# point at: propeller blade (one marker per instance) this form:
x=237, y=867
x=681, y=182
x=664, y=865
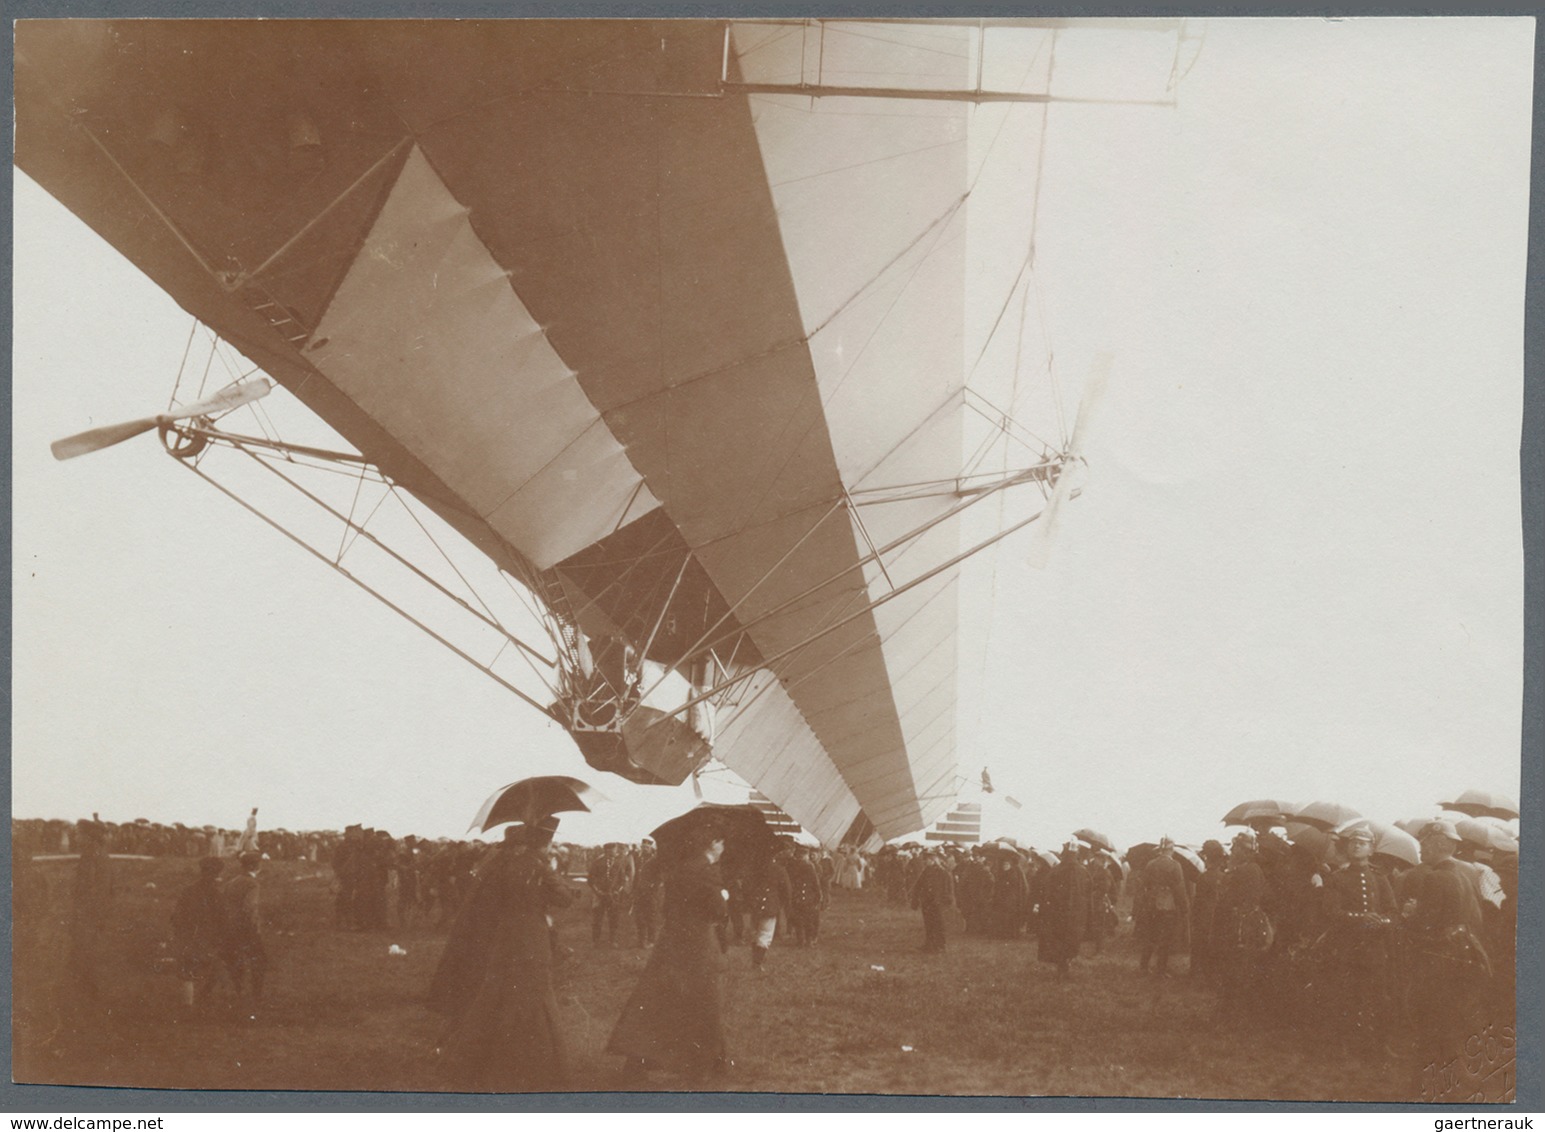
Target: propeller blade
x=1051, y=519
x=231, y=397
x=1051, y=522
x=92, y=440
x=1089, y=405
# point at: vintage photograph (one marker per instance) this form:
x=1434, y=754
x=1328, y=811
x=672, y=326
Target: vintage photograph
x=965, y=557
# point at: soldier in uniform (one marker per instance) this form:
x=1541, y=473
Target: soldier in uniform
x=1244, y=931
x=608, y=881
x=805, y=897
x=768, y=894
x=1359, y=908
x=648, y=892
x=1169, y=908
x=1450, y=966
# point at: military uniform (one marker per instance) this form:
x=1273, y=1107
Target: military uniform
x=1359, y=905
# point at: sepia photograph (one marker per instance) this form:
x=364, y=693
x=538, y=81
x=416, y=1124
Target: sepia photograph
x=966, y=557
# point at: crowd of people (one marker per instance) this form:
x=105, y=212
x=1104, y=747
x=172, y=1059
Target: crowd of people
x=1290, y=930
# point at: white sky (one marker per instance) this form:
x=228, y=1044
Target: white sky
x=1296, y=571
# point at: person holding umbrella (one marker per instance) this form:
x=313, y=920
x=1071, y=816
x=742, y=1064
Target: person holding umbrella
x=494, y=982
x=674, y=1019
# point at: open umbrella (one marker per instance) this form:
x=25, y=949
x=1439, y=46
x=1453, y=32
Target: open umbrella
x=1140, y=854
x=1325, y=816
x=1098, y=840
x=1189, y=857
x=1414, y=826
x=1483, y=804
x=532, y=799
x=1484, y=835
x=744, y=830
x=1262, y=810
x=1393, y=844
x=1114, y=863
x=1312, y=837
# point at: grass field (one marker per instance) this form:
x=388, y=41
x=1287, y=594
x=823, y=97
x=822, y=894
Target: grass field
x=863, y=1012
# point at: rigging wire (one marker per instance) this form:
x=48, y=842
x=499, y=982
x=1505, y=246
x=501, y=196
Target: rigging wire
x=182, y=366
x=402, y=498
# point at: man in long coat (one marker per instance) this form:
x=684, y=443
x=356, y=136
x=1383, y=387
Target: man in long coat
x=1204, y=911
x=1064, y=910
x=494, y=983
x=1244, y=930
x=1169, y=908
x=1010, y=897
x=1450, y=965
x=933, y=895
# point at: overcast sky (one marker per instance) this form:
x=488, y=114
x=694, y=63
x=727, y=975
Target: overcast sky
x=1296, y=570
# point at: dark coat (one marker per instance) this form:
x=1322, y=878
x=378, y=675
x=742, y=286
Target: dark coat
x=1358, y=890
x=674, y=1019
x=1064, y=912
x=1168, y=902
x=495, y=979
x=1010, y=900
x=768, y=891
x=804, y=884
x=199, y=928
x=935, y=887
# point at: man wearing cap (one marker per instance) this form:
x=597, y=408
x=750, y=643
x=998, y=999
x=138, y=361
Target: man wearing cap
x=1244, y=932
x=1169, y=908
x=933, y=895
x=1359, y=905
x=608, y=882
x=1204, y=911
x=1442, y=911
x=768, y=895
x=805, y=896
x=248, y=957
x=494, y=982
x=648, y=895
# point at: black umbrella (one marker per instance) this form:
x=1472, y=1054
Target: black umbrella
x=744, y=830
x=532, y=799
x=1261, y=812
x=1139, y=855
